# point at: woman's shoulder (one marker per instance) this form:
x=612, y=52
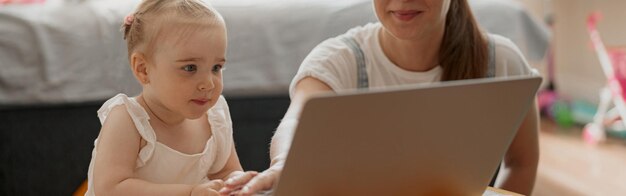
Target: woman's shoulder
x=509, y=58
x=505, y=46
x=333, y=60
x=364, y=31
x=331, y=53
x=361, y=34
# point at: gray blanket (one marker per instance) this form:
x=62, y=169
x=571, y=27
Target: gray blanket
x=66, y=53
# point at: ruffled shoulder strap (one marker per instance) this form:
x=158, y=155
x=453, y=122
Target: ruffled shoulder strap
x=220, y=113
x=140, y=119
x=219, y=149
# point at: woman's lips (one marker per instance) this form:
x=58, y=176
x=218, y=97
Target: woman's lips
x=405, y=15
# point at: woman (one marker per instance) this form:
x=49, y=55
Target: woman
x=416, y=41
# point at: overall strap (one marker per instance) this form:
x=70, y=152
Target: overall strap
x=362, y=78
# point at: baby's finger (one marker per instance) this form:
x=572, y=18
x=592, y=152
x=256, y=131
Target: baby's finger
x=212, y=192
x=215, y=184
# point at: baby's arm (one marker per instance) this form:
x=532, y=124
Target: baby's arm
x=232, y=167
x=118, y=147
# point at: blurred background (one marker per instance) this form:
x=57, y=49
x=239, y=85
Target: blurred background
x=61, y=59
x=581, y=155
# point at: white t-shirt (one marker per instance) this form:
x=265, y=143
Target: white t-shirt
x=333, y=62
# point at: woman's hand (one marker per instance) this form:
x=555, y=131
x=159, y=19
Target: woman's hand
x=251, y=182
x=208, y=189
x=236, y=181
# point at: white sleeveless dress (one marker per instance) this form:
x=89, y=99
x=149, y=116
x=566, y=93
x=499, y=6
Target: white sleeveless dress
x=158, y=163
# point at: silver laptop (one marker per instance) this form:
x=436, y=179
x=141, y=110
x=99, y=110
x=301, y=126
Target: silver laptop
x=442, y=139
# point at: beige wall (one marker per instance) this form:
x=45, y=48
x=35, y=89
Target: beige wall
x=579, y=75
x=537, y=8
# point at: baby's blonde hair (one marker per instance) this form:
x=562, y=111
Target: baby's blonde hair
x=147, y=21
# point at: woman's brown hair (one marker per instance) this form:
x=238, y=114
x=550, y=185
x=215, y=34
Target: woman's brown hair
x=464, y=52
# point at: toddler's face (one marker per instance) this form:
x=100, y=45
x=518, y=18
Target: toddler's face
x=187, y=72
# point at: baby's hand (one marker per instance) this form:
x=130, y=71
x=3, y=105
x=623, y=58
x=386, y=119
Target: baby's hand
x=208, y=189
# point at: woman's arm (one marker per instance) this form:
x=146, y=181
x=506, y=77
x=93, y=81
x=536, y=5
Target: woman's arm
x=281, y=141
x=522, y=157
x=118, y=147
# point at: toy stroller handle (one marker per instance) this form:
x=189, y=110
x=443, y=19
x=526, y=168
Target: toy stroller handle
x=598, y=46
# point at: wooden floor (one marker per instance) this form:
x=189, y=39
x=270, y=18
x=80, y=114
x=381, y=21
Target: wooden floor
x=569, y=166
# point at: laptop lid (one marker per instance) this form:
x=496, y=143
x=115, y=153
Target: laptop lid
x=445, y=138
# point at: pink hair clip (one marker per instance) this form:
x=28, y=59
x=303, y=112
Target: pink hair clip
x=129, y=19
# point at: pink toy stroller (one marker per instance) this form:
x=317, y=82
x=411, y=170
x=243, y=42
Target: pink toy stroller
x=613, y=64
